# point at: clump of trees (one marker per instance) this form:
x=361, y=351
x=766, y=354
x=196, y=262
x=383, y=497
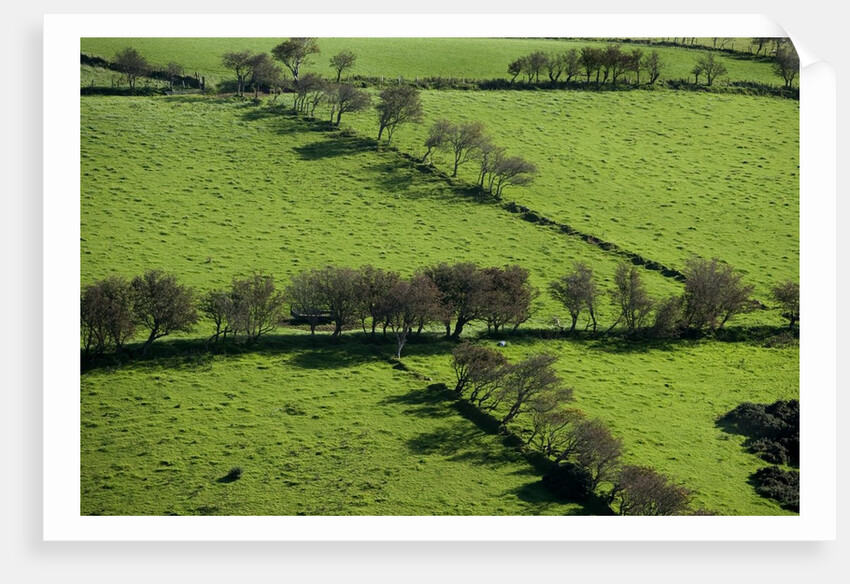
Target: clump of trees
x=469, y=141
x=584, y=452
x=398, y=105
x=608, y=63
x=112, y=309
x=130, y=62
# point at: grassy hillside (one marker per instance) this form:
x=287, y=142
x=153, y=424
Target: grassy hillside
x=408, y=57
x=212, y=188
x=663, y=174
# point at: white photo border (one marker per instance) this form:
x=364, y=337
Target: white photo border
x=61, y=416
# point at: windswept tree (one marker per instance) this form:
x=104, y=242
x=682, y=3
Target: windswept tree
x=342, y=61
x=437, y=135
x=613, y=63
x=787, y=295
x=132, y=64
x=640, y=490
x=264, y=73
x=786, y=64
x=529, y=380
x=463, y=141
x=578, y=292
x=217, y=306
x=240, y=63
x=591, y=61
x=377, y=302
x=653, y=65
x=516, y=67
x=554, y=66
x=345, y=98
x=594, y=448
x=572, y=64
x=257, y=306
x=479, y=372
x=463, y=287
x=342, y=291
x=306, y=298
x=713, y=293
x=162, y=305
x=708, y=66
x=398, y=105
x=295, y=53
x=507, y=299
x=534, y=63
x=550, y=424
x=490, y=155
x=310, y=89
x=411, y=302
x=630, y=296
x=106, y=315
x=510, y=170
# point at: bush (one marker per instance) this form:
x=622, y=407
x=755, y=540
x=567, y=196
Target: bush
x=234, y=474
x=774, y=429
x=569, y=481
x=780, y=485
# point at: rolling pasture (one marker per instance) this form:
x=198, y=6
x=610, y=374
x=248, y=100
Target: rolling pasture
x=211, y=188
x=459, y=58
x=663, y=174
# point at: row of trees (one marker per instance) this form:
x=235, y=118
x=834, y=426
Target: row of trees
x=713, y=294
x=452, y=295
x=609, y=62
x=470, y=142
x=584, y=452
x=112, y=309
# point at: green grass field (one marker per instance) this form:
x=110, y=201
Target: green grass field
x=211, y=188
x=664, y=174
x=461, y=58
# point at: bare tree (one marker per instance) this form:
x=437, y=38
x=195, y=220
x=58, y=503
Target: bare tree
x=257, y=306
x=347, y=98
x=713, y=293
x=295, y=53
x=106, y=315
x=399, y=105
x=310, y=89
x=640, y=490
x=529, y=380
x=631, y=296
x=787, y=295
x=342, y=292
x=437, y=135
x=132, y=64
x=510, y=170
x=480, y=370
x=412, y=301
x=464, y=142
x=507, y=299
x=377, y=287
x=550, y=426
x=594, y=448
x=463, y=288
x=162, y=305
x=217, y=305
x=709, y=67
x=342, y=61
x=578, y=292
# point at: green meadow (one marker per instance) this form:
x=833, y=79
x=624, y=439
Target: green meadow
x=460, y=58
x=211, y=188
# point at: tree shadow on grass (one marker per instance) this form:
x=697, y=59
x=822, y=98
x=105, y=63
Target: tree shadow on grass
x=333, y=147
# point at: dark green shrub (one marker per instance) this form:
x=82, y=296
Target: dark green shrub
x=569, y=481
x=781, y=485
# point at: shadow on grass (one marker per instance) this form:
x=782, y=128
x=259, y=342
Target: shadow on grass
x=336, y=146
